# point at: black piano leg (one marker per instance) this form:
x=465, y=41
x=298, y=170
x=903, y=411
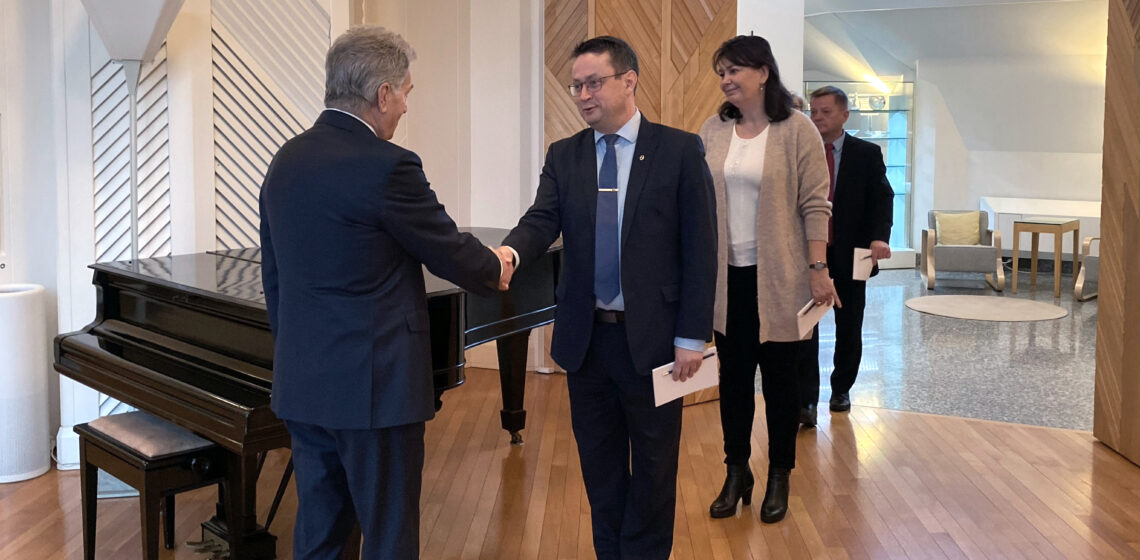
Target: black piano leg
x=236, y=522
x=512, y=376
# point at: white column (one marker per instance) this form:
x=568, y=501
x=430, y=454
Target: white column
x=505, y=94
x=189, y=74
x=340, y=17
x=78, y=403
x=781, y=22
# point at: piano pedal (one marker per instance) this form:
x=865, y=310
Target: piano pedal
x=258, y=545
x=211, y=545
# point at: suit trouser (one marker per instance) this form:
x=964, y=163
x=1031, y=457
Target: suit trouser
x=628, y=450
x=345, y=477
x=740, y=353
x=848, y=343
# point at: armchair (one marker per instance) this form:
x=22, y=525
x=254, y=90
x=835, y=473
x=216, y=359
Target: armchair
x=1090, y=271
x=983, y=256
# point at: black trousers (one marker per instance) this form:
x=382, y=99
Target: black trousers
x=628, y=450
x=345, y=477
x=848, y=343
x=740, y=353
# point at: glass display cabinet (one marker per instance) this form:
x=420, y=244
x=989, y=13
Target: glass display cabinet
x=880, y=113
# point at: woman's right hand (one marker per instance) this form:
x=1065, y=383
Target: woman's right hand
x=823, y=289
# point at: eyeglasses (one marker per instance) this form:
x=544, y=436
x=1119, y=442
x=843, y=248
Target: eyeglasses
x=592, y=85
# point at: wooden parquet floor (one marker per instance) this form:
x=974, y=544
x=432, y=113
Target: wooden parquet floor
x=872, y=483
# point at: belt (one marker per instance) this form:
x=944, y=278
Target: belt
x=608, y=316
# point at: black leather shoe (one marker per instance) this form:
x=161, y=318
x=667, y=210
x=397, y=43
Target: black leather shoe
x=775, y=496
x=840, y=402
x=808, y=415
x=737, y=486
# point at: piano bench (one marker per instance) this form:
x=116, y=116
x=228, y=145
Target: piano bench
x=154, y=457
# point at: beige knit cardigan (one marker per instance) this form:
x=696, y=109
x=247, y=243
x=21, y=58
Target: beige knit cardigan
x=792, y=209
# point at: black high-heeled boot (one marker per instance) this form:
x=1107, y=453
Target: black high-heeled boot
x=737, y=486
x=775, y=504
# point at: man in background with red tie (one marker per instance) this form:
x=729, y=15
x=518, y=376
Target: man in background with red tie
x=861, y=216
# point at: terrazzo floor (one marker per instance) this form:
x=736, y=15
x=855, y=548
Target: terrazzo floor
x=1038, y=373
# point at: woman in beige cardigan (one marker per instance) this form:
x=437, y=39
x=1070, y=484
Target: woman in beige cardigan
x=771, y=181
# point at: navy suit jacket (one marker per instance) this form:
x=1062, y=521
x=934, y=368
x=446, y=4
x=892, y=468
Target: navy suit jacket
x=346, y=221
x=863, y=209
x=668, y=237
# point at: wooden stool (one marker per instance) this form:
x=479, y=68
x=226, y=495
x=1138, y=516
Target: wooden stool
x=154, y=457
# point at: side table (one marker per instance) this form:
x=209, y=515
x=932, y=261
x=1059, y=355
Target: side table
x=1035, y=226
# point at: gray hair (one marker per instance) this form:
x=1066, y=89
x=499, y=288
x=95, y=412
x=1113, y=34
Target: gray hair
x=359, y=62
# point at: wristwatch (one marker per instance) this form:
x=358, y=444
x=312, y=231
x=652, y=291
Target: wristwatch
x=818, y=265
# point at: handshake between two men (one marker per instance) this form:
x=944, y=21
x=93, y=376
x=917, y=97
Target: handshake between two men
x=507, y=259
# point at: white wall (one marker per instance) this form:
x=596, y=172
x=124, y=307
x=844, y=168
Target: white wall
x=1059, y=175
x=940, y=158
x=32, y=173
x=475, y=114
x=505, y=96
x=1013, y=127
x=782, y=24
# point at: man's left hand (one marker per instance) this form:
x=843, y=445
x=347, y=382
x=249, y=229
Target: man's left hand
x=879, y=251
x=686, y=363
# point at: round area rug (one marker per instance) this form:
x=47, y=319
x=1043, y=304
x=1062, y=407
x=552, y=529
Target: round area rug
x=986, y=308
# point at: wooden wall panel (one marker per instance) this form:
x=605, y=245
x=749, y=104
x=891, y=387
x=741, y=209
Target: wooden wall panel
x=696, y=90
x=639, y=23
x=674, y=40
x=1116, y=414
x=567, y=24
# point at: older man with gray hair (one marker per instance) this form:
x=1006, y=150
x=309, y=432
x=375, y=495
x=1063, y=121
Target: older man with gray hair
x=347, y=221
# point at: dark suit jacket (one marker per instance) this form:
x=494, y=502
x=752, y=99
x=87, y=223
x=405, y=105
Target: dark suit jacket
x=864, y=204
x=668, y=237
x=346, y=221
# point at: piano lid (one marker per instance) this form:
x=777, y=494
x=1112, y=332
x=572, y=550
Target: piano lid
x=234, y=275
x=207, y=275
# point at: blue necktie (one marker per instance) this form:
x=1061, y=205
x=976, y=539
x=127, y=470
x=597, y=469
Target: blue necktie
x=607, y=231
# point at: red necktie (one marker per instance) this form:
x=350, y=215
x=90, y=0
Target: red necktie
x=830, y=149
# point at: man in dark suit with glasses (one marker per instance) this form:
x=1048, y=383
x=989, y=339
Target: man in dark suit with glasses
x=633, y=202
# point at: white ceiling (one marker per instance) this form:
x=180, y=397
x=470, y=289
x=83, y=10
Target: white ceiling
x=845, y=39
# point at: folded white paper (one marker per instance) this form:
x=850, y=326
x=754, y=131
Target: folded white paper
x=861, y=268
x=666, y=390
x=809, y=316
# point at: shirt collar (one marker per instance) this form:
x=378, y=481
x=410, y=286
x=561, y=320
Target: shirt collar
x=353, y=116
x=837, y=146
x=628, y=131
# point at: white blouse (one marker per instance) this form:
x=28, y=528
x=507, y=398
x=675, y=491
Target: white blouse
x=742, y=171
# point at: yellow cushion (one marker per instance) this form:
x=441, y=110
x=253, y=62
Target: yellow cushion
x=959, y=228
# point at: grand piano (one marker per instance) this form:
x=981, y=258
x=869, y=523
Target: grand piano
x=187, y=338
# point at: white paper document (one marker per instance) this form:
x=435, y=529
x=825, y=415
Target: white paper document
x=809, y=316
x=666, y=390
x=861, y=268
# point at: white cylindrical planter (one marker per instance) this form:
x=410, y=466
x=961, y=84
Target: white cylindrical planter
x=24, y=439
